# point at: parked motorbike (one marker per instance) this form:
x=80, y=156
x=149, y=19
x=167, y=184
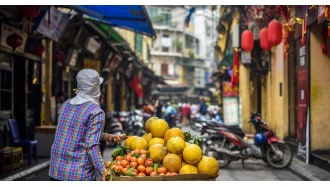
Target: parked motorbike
x=115, y=127
x=198, y=121
x=135, y=126
x=226, y=145
x=123, y=118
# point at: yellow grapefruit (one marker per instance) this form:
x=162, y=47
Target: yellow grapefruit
x=172, y=162
x=156, y=141
x=173, y=132
x=148, y=123
x=188, y=169
x=129, y=140
x=139, y=143
x=208, y=165
x=158, y=128
x=157, y=152
x=176, y=145
x=148, y=137
x=192, y=154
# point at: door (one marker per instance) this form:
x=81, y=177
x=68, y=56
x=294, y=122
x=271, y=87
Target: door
x=302, y=95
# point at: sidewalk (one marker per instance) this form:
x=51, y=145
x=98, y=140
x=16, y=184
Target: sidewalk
x=308, y=171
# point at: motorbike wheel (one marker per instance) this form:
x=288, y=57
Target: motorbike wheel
x=279, y=155
x=221, y=159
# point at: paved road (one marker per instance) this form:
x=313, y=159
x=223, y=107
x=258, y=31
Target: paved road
x=254, y=170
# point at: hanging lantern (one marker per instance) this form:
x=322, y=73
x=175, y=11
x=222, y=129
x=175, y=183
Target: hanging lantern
x=30, y=12
x=37, y=49
x=264, y=44
x=14, y=40
x=247, y=40
x=59, y=55
x=275, y=32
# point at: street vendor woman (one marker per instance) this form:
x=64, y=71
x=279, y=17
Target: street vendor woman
x=75, y=153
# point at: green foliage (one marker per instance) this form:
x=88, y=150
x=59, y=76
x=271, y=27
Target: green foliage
x=196, y=139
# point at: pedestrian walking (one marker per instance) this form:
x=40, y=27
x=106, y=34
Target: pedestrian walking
x=202, y=107
x=185, y=112
x=75, y=153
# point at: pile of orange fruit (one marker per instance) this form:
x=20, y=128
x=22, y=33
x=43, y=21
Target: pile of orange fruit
x=162, y=151
x=140, y=166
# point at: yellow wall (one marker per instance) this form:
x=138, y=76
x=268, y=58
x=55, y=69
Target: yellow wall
x=319, y=91
x=279, y=111
x=244, y=90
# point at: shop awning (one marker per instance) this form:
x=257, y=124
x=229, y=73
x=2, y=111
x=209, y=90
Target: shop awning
x=131, y=17
x=227, y=60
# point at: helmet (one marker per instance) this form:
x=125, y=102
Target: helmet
x=259, y=139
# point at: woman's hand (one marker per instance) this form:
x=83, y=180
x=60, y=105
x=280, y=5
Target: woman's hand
x=112, y=139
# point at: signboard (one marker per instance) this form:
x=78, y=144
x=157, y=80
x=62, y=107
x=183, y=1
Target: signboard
x=7, y=31
x=115, y=62
x=230, y=110
x=246, y=57
x=321, y=13
x=302, y=97
x=228, y=91
x=92, y=45
x=52, y=24
x=93, y=64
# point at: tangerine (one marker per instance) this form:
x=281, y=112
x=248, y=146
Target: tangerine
x=148, y=162
x=133, y=164
x=124, y=163
x=141, y=168
x=141, y=174
x=144, y=156
x=153, y=173
x=149, y=170
x=140, y=161
x=107, y=164
x=118, y=168
x=161, y=170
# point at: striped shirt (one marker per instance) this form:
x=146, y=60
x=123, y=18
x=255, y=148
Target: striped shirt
x=75, y=153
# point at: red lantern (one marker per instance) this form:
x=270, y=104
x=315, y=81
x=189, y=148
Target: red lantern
x=37, y=49
x=30, y=12
x=14, y=40
x=59, y=55
x=264, y=44
x=247, y=40
x=274, y=32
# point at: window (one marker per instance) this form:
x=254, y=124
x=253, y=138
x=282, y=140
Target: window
x=138, y=43
x=166, y=43
x=164, y=69
x=153, y=13
x=166, y=17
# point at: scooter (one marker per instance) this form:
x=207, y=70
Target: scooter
x=226, y=146
x=115, y=127
x=123, y=118
x=135, y=125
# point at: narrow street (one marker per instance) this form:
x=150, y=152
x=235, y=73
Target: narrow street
x=254, y=170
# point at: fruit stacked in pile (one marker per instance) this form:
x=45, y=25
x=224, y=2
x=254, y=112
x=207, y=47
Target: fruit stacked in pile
x=162, y=151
